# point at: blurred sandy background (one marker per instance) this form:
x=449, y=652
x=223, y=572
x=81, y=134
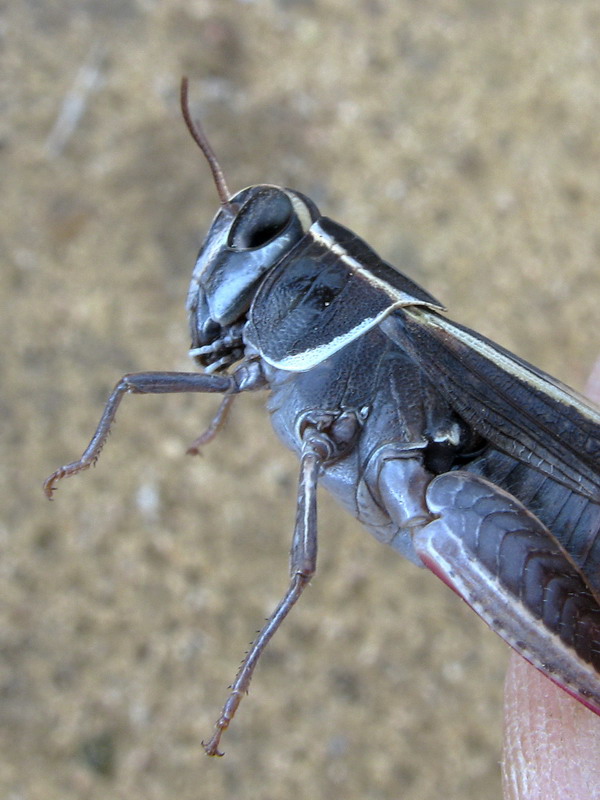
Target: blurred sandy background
x=461, y=139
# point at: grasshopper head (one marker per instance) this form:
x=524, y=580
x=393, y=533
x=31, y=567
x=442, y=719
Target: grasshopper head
x=249, y=235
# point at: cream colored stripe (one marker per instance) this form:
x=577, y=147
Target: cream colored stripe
x=562, y=394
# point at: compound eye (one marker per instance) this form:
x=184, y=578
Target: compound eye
x=261, y=220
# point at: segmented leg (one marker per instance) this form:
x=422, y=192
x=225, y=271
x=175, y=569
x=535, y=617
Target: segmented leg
x=303, y=561
x=510, y=569
x=215, y=426
x=138, y=383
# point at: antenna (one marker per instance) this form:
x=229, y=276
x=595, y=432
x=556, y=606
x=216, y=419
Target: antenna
x=199, y=137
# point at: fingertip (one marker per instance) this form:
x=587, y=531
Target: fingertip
x=592, y=387
x=552, y=742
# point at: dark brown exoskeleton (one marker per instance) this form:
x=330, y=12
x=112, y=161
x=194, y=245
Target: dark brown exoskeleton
x=451, y=450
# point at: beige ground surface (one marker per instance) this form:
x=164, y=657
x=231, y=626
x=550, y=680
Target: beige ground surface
x=461, y=138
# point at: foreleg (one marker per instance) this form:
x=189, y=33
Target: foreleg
x=140, y=383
